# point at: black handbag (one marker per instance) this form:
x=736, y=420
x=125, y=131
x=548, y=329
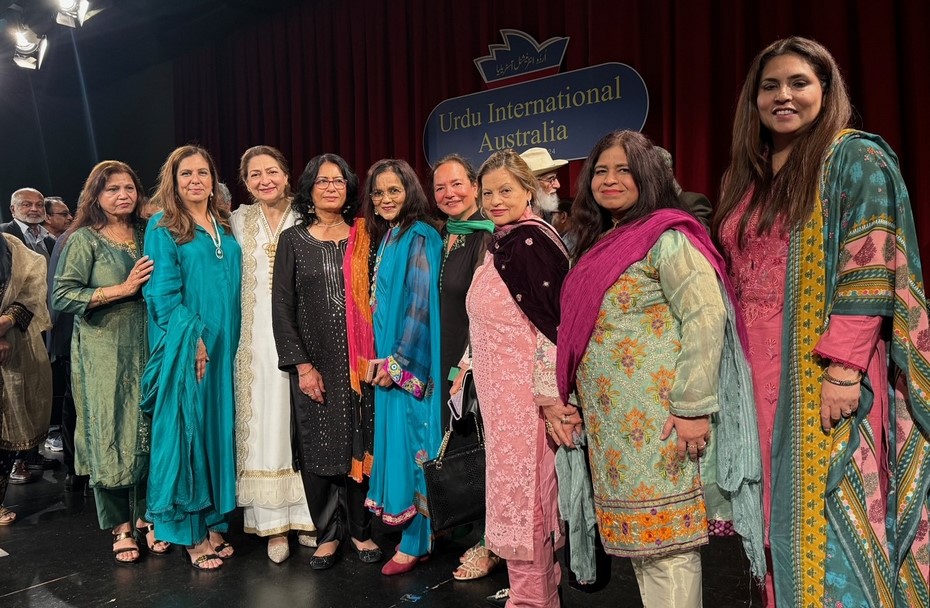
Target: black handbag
x=455, y=479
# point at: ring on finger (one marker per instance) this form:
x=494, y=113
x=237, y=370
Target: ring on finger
x=846, y=412
x=549, y=428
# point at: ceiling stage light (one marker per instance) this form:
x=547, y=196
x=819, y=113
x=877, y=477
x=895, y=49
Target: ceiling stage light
x=30, y=49
x=73, y=13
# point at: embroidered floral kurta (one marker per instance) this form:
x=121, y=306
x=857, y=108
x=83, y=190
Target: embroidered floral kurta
x=513, y=363
x=655, y=350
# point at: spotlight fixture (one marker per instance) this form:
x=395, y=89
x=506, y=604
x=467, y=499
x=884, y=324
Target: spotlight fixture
x=30, y=49
x=73, y=13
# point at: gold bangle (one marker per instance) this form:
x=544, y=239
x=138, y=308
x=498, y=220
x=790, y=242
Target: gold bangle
x=836, y=381
x=101, y=297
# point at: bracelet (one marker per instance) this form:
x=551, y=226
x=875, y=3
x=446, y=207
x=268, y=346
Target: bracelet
x=301, y=375
x=836, y=381
x=101, y=297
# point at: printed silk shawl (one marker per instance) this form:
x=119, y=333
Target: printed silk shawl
x=856, y=255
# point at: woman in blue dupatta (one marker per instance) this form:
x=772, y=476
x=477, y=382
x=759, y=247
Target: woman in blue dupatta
x=817, y=223
x=651, y=341
x=193, y=302
x=405, y=315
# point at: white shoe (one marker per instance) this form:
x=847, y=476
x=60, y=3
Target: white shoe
x=278, y=552
x=307, y=539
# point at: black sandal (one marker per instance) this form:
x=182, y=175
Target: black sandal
x=196, y=564
x=222, y=547
x=118, y=536
x=143, y=531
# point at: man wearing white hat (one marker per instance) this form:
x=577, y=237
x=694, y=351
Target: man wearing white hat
x=544, y=168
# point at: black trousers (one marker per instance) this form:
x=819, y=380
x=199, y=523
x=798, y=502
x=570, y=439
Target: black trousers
x=337, y=506
x=61, y=383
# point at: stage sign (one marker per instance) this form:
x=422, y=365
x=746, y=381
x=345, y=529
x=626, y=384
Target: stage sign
x=564, y=113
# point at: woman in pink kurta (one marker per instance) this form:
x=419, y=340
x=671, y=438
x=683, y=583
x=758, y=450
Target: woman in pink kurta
x=513, y=310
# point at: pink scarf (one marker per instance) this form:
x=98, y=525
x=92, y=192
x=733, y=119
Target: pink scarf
x=598, y=269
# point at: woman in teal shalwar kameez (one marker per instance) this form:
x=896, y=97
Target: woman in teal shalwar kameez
x=405, y=304
x=193, y=305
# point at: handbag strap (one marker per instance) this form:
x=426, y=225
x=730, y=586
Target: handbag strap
x=479, y=427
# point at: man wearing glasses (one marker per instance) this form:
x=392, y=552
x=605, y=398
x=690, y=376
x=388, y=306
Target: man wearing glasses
x=28, y=207
x=58, y=217
x=544, y=167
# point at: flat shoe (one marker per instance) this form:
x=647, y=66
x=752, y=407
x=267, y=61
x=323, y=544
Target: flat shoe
x=368, y=556
x=323, y=563
x=307, y=539
x=278, y=552
x=393, y=568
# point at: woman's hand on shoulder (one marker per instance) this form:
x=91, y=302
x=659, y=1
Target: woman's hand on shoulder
x=692, y=433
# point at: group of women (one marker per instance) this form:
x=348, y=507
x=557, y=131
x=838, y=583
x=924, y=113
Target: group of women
x=295, y=359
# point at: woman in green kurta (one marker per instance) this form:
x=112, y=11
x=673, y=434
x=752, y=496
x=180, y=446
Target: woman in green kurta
x=649, y=339
x=194, y=314
x=98, y=279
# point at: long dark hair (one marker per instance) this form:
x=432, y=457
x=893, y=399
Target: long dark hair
x=652, y=176
x=788, y=196
x=303, y=202
x=416, y=206
x=89, y=212
x=177, y=219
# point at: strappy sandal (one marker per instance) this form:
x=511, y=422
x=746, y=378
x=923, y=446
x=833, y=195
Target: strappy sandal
x=7, y=517
x=143, y=531
x=197, y=564
x=222, y=547
x=470, y=569
x=118, y=536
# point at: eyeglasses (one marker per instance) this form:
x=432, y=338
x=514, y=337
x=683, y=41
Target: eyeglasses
x=548, y=180
x=323, y=183
x=392, y=193
x=61, y=213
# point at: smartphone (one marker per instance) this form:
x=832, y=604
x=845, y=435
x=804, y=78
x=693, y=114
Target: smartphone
x=370, y=369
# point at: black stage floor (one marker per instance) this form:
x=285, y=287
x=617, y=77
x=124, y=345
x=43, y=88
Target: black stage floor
x=57, y=557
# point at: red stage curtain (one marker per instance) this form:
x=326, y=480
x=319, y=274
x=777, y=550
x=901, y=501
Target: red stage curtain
x=360, y=77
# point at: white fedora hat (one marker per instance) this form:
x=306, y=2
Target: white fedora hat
x=540, y=161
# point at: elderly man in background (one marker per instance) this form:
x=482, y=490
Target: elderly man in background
x=57, y=217
x=544, y=167
x=28, y=208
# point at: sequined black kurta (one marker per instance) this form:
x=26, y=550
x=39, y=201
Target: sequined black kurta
x=309, y=308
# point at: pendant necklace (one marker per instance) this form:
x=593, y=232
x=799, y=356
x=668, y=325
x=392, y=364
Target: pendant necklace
x=217, y=240
x=271, y=247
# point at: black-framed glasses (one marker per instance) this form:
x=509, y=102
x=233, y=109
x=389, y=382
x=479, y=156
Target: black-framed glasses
x=322, y=183
x=61, y=213
x=392, y=193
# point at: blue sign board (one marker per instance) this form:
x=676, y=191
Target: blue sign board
x=566, y=114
